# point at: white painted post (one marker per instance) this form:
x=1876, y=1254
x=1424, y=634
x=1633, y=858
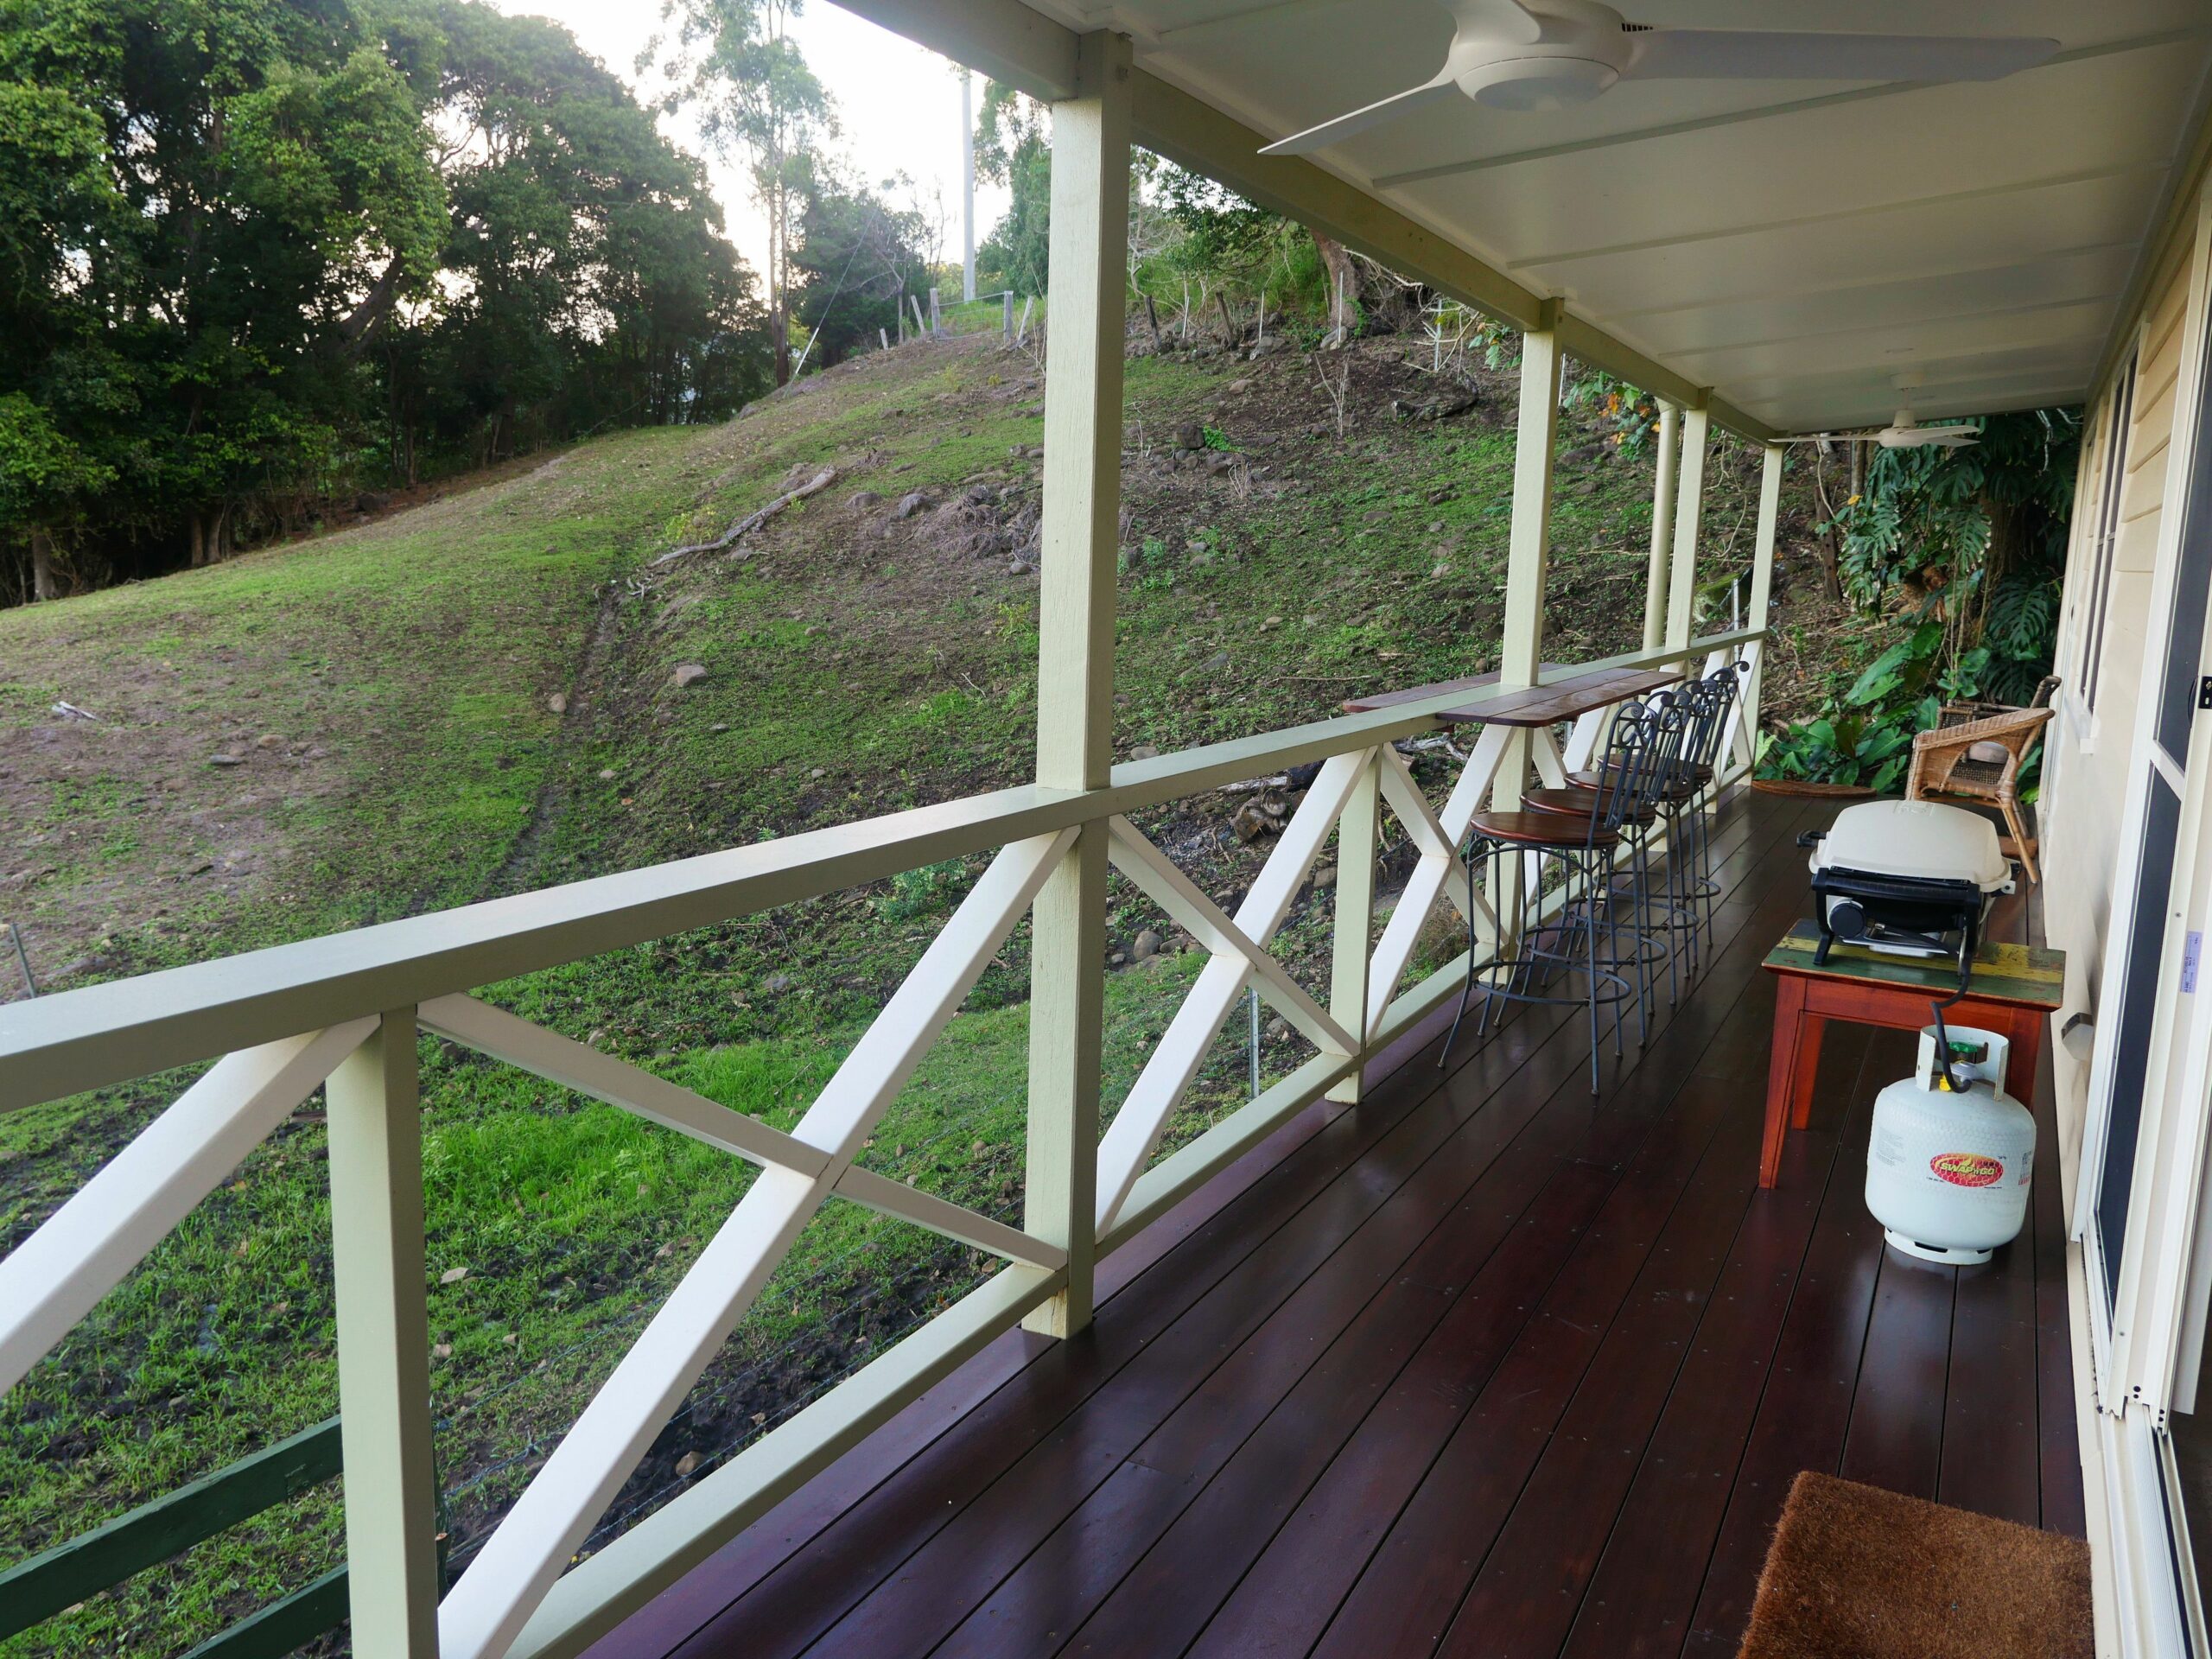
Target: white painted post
x=1662, y=525
x=967, y=186
x=1697, y=426
x=1080, y=535
x=1762, y=584
x=384, y=1359
x=1529, y=544
x=1356, y=839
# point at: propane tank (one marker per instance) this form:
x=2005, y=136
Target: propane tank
x=1949, y=1159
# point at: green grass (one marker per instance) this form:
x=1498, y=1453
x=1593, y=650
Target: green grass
x=419, y=656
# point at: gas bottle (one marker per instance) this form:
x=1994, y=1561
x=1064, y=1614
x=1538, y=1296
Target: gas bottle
x=1949, y=1163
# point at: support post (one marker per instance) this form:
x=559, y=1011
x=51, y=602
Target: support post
x=967, y=186
x=1662, y=525
x=1689, y=503
x=1755, y=614
x=384, y=1360
x=1356, y=845
x=1080, y=536
x=1528, y=557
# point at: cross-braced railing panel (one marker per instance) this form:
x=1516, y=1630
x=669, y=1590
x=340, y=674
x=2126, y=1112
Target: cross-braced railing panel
x=1152, y=1099
x=484, y=1612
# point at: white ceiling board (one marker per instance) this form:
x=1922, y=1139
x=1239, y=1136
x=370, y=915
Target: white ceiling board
x=1835, y=256
x=2115, y=110
x=1899, y=348
x=1861, y=397
x=1791, y=258
x=2099, y=274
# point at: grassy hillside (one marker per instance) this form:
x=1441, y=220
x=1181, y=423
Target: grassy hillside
x=480, y=696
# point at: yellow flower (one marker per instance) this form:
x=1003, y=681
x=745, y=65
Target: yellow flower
x=1853, y=502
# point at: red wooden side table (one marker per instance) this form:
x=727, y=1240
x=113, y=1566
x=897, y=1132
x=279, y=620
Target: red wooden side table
x=2015, y=989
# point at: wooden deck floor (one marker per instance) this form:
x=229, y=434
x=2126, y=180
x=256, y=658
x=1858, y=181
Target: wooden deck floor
x=1475, y=1367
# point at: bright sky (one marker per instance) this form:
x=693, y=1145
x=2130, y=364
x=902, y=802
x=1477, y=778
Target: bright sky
x=898, y=106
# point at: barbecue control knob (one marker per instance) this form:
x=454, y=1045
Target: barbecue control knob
x=1847, y=920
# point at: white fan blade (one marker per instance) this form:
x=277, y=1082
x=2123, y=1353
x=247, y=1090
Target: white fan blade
x=1760, y=54
x=1389, y=109
x=1921, y=437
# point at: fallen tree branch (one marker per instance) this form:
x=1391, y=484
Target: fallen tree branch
x=820, y=481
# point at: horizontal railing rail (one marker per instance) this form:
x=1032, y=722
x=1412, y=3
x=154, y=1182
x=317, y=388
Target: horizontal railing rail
x=345, y=1013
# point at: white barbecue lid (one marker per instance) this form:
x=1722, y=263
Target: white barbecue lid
x=1921, y=839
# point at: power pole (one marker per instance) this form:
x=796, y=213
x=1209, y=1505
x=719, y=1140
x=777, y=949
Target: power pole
x=967, y=186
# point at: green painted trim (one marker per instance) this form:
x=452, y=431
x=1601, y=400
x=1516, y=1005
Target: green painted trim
x=281, y=1626
x=2002, y=973
x=34, y=1591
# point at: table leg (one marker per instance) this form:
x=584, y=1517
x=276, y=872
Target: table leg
x=1781, y=1076
x=2024, y=1029
x=1805, y=1069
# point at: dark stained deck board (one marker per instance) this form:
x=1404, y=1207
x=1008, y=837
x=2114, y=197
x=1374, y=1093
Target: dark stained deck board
x=1479, y=1364
x=1644, y=1591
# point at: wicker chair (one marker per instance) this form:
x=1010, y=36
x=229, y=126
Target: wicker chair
x=1975, y=756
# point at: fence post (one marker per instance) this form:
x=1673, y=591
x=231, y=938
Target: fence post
x=1006, y=314
x=937, y=315
x=1356, y=839
x=1689, y=504
x=1080, y=536
x=1662, y=525
x=384, y=1361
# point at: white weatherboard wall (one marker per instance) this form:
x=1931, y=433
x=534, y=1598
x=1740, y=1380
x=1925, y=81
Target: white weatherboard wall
x=2087, y=761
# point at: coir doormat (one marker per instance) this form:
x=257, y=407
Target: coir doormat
x=1857, y=1573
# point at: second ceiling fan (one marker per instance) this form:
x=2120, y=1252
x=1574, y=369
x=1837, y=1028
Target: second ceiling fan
x=1551, y=55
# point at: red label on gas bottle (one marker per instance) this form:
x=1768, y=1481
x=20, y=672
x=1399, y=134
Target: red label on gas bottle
x=1966, y=1168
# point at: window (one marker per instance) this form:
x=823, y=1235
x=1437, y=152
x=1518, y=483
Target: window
x=2112, y=467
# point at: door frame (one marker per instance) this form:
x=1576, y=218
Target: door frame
x=2139, y=1329
x=2136, y=1329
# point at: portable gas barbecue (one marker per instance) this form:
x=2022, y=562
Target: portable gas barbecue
x=1913, y=878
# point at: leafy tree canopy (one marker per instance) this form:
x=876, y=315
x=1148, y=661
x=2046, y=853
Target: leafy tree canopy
x=259, y=252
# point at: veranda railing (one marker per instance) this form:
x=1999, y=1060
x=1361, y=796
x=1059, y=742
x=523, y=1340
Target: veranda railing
x=343, y=1013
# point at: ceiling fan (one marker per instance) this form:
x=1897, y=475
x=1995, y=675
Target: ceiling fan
x=1905, y=433
x=1553, y=54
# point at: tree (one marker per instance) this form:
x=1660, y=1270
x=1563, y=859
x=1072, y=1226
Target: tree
x=258, y=250
x=1013, y=147
x=1965, y=549
x=736, y=61
x=586, y=278
x=857, y=260
x=184, y=330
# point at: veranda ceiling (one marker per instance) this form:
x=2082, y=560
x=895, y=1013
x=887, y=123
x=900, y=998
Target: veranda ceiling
x=1795, y=246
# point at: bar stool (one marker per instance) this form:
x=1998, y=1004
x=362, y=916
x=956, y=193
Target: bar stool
x=1658, y=919
x=1580, y=846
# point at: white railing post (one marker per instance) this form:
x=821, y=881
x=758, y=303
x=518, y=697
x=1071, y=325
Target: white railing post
x=1755, y=616
x=1689, y=504
x=1356, y=839
x=384, y=1360
x=1662, y=525
x=1080, y=538
x=1529, y=547
x=1527, y=564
